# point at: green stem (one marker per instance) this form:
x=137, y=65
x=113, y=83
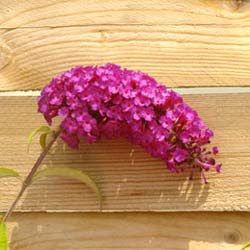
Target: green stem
x=246, y=246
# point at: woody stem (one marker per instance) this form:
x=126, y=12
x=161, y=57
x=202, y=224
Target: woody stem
x=29, y=177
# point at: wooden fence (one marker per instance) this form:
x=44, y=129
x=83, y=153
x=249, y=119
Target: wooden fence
x=200, y=48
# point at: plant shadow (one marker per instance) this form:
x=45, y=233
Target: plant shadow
x=130, y=181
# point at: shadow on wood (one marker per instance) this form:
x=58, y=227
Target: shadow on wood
x=129, y=178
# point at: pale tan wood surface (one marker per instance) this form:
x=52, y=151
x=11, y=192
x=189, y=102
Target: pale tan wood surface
x=130, y=179
x=130, y=231
x=54, y=13
x=180, y=43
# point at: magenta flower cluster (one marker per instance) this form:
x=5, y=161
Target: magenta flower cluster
x=108, y=101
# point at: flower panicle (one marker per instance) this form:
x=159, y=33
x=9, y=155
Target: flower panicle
x=109, y=101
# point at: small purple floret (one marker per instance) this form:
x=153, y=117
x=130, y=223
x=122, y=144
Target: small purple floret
x=108, y=101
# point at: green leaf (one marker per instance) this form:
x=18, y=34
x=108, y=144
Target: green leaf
x=43, y=138
x=42, y=129
x=246, y=246
x=71, y=173
x=3, y=237
x=7, y=172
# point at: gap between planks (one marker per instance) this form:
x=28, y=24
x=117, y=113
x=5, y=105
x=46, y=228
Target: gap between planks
x=194, y=90
x=116, y=24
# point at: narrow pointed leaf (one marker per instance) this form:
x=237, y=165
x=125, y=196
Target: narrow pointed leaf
x=7, y=172
x=3, y=237
x=42, y=129
x=43, y=138
x=246, y=246
x=70, y=173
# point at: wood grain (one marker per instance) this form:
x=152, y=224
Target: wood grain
x=192, y=43
x=129, y=178
x=54, y=13
x=154, y=231
x=178, y=56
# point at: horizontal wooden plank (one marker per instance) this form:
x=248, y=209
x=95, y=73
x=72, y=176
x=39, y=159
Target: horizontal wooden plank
x=154, y=231
x=178, y=56
x=53, y=13
x=130, y=179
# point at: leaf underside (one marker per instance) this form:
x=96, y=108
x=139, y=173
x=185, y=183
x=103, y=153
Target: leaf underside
x=7, y=172
x=43, y=129
x=70, y=173
x=43, y=140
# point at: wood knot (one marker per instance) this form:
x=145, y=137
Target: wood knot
x=235, y=5
x=232, y=237
x=238, y=3
x=5, y=55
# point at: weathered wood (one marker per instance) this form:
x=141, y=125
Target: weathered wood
x=54, y=13
x=178, y=56
x=182, y=44
x=154, y=231
x=130, y=179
